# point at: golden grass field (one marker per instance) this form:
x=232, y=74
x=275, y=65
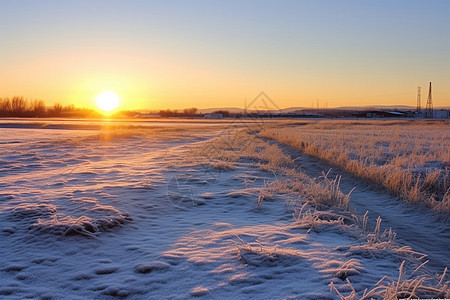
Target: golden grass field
x=409, y=158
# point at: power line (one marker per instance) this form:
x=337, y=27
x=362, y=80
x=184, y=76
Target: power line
x=418, y=98
x=429, y=108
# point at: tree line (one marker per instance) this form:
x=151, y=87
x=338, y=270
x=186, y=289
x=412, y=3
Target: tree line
x=192, y=112
x=24, y=108
x=188, y=112
x=20, y=107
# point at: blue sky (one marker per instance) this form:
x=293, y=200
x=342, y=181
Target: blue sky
x=175, y=54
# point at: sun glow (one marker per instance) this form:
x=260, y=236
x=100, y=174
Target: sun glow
x=107, y=101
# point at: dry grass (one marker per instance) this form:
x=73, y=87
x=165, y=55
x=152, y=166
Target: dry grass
x=227, y=150
x=415, y=285
x=409, y=158
x=402, y=288
x=320, y=205
x=170, y=132
x=321, y=192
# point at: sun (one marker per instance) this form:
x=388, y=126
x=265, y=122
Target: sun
x=107, y=101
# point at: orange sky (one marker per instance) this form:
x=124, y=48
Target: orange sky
x=221, y=54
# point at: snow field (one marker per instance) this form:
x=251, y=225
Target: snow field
x=139, y=216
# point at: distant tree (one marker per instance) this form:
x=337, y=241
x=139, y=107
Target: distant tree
x=5, y=106
x=164, y=113
x=38, y=108
x=190, y=111
x=224, y=113
x=57, y=107
x=169, y=113
x=56, y=110
x=69, y=107
x=18, y=106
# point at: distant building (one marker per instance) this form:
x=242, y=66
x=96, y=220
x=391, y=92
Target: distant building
x=437, y=114
x=213, y=116
x=415, y=114
x=441, y=114
x=381, y=114
x=289, y=115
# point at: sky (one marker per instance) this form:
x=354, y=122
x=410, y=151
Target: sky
x=181, y=54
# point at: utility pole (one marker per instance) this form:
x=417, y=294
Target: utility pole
x=418, y=99
x=429, y=108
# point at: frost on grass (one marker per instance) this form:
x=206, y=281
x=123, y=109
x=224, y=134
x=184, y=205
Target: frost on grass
x=405, y=286
x=83, y=226
x=32, y=211
x=251, y=254
x=273, y=248
x=408, y=158
x=45, y=218
x=321, y=209
x=301, y=242
x=226, y=151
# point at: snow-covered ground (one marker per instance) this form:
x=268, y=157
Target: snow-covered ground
x=176, y=211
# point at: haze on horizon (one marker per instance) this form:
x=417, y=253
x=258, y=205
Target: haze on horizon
x=178, y=54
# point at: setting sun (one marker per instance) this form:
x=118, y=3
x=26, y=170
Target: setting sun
x=107, y=101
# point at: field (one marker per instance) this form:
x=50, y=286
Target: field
x=409, y=159
x=225, y=210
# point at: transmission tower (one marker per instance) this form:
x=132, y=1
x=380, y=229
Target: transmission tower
x=418, y=98
x=429, y=108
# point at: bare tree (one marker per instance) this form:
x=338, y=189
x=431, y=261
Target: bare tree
x=5, y=105
x=38, y=108
x=190, y=111
x=18, y=106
